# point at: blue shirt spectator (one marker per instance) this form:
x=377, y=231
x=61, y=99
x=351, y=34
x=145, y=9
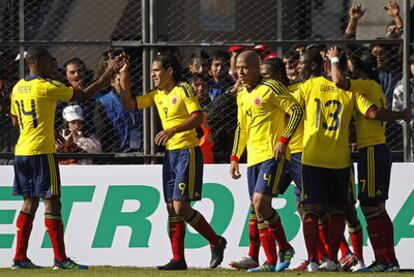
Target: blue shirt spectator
x=118, y=129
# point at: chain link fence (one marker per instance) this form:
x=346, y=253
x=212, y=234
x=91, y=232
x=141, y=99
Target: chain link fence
x=200, y=33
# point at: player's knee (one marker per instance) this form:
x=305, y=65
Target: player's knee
x=31, y=204
x=370, y=211
x=52, y=206
x=183, y=209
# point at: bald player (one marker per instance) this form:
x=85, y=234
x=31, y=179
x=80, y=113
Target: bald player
x=262, y=105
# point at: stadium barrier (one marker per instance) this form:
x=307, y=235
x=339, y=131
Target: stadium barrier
x=115, y=215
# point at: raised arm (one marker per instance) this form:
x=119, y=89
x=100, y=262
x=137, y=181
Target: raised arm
x=127, y=99
x=113, y=66
x=355, y=13
x=337, y=77
x=393, y=11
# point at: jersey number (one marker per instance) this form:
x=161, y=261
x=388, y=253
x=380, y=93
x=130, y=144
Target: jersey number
x=333, y=115
x=22, y=111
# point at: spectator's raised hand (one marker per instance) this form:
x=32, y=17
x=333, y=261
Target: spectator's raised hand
x=392, y=9
x=356, y=11
x=124, y=69
x=332, y=52
x=115, y=64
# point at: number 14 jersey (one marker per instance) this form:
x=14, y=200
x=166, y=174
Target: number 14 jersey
x=328, y=112
x=33, y=103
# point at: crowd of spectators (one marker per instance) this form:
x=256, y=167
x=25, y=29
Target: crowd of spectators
x=103, y=125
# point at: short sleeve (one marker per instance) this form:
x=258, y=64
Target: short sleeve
x=146, y=100
x=190, y=98
x=363, y=104
x=58, y=91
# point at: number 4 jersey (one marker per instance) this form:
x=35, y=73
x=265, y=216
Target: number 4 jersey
x=328, y=112
x=33, y=102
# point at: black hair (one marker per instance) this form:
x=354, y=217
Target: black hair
x=76, y=61
x=277, y=65
x=314, y=56
x=291, y=54
x=112, y=52
x=202, y=55
x=221, y=55
x=35, y=53
x=366, y=62
x=170, y=61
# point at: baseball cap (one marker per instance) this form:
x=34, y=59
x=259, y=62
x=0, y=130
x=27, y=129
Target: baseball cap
x=271, y=55
x=235, y=48
x=73, y=112
x=261, y=47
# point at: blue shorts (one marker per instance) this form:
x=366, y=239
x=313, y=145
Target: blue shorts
x=36, y=176
x=265, y=177
x=293, y=173
x=374, y=171
x=182, y=175
x=325, y=185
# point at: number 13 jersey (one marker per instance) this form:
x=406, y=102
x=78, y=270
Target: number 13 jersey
x=328, y=112
x=33, y=103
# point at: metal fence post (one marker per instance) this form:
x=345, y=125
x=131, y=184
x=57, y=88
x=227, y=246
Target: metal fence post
x=152, y=39
x=406, y=80
x=21, y=38
x=145, y=74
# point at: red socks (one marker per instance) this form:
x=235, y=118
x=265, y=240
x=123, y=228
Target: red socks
x=268, y=243
x=356, y=236
x=389, y=237
x=336, y=232
x=24, y=226
x=276, y=229
x=376, y=232
x=199, y=223
x=254, y=237
x=177, y=233
x=54, y=227
x=343, y=246
x=311, y=235
x=323, y=246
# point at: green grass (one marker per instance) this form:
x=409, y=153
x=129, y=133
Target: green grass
x=129, y=271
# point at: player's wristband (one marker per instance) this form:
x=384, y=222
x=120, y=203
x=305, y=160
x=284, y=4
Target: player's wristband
x=283, y=140
x=234, y=158
x=334, y=60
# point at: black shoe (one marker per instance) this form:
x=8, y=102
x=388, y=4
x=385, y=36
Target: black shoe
x=174, y=265
x=217, y=253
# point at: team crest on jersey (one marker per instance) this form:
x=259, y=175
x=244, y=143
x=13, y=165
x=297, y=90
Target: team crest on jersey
x=174, y=101
x=258, y=101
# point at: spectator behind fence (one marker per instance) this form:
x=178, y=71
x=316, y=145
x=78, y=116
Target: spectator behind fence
x=78, y=76
x=118, y=129
x=72, y=138
x=8, y=134
x=199, y=64
x=234, y=51
x=219, y=72
x=398, y=97
x=199, y=83
x=291, y=61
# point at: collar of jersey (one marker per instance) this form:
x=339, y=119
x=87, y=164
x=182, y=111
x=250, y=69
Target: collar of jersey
x=31, y=78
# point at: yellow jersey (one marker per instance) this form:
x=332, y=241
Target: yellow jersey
x=261, y=120
x=174, y=108
x=328, y=112
x=296, y=141
x=369, y=132
x=33, y=102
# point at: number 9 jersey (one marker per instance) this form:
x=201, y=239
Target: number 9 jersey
x=33, y=103
x=328, y=112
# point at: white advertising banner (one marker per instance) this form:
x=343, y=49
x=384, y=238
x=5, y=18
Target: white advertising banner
x=116, y=215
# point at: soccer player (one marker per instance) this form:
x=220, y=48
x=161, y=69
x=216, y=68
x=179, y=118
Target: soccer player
x=180, y=114
x=325, y=157
x=374, y=162
x=262, y=105
x=33, y=104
